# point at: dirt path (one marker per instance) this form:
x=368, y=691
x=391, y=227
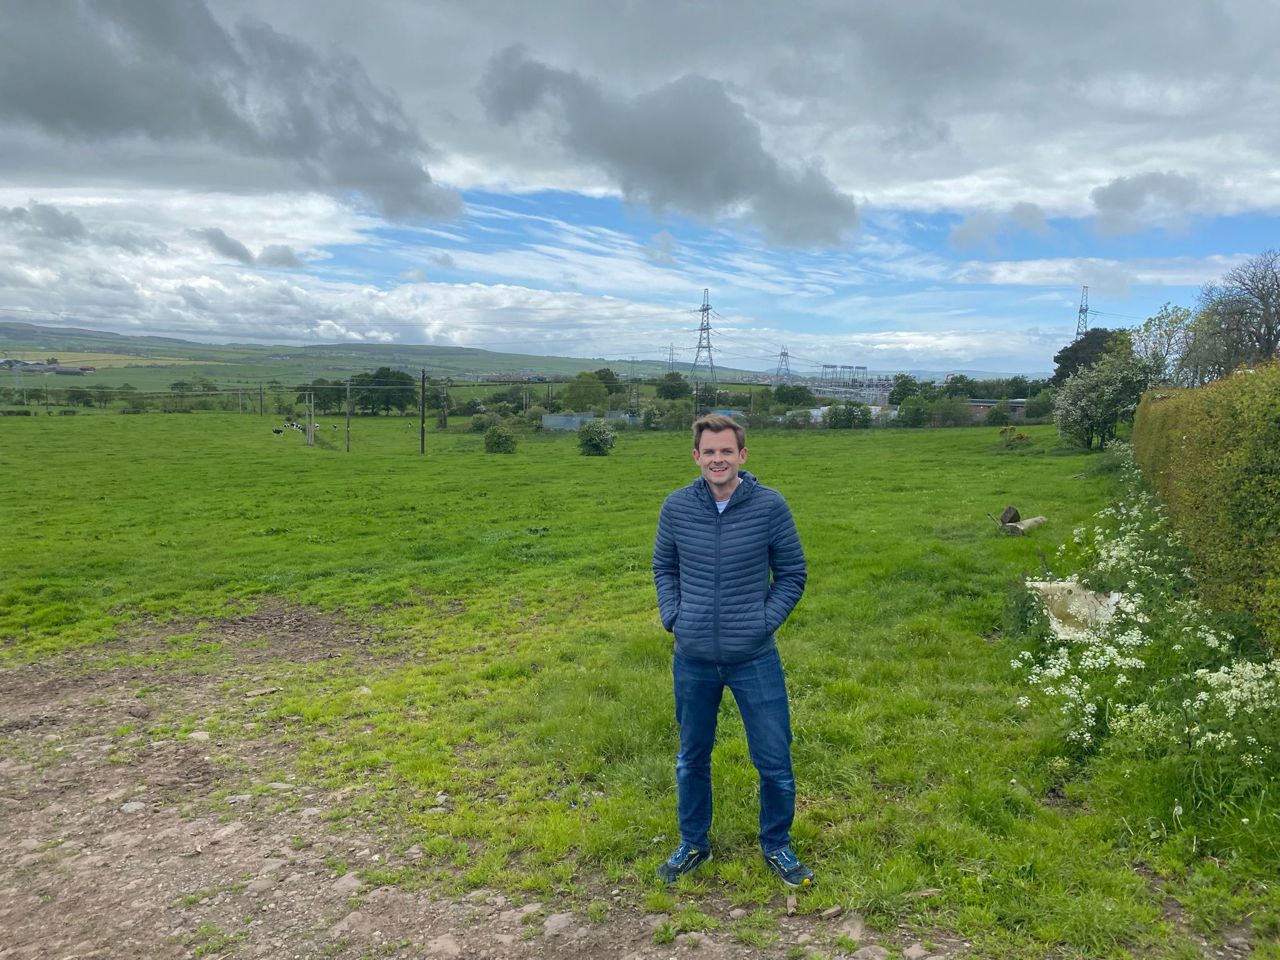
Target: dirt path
x=113, y=845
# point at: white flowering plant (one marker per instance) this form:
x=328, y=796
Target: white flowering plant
x=1159, y=679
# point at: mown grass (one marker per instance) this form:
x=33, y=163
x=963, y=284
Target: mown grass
x=518, y=723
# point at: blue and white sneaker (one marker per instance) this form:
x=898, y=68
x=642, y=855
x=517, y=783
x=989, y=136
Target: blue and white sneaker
x=685, y=860
x=789, y=869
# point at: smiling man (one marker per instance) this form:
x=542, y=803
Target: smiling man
x=729, y=570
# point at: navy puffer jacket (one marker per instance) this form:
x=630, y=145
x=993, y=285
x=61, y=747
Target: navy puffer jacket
x=713, y=570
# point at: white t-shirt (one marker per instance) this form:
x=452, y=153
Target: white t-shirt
x=721, y=504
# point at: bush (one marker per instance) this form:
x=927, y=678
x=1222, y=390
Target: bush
x=596, y=438
x=1213, y=454
x=482, y=422
x=499, y=439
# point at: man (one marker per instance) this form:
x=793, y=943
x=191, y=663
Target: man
x=729, y=570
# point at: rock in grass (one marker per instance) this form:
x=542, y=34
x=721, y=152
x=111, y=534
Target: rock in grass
x=915, y=952
x=832, y=912
x=347, y=884
x=872, y=952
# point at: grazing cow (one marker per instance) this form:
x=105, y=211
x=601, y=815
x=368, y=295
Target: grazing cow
x=278, y=432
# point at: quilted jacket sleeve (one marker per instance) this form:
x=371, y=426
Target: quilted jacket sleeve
x=786, y=561
x=666, y=569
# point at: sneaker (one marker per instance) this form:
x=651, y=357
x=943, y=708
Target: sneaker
x=789, y=869
x=686, y=859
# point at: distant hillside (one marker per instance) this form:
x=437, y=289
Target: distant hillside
x=303, y=361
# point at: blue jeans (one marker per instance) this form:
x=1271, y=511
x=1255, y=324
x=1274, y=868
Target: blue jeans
x=759, y=687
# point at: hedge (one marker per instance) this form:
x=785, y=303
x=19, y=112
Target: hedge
x=1213, y=454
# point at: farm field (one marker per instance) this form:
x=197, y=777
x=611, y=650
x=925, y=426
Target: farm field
x=437, y=685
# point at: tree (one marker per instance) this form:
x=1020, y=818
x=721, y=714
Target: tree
x=179, y=389
x=913, y=412
x=998, y=416
x=384, y=389
x=904, y=385
x=1162, y=340
x=849, y=415
x=596, y=438
x=1087, y=350
x=1094, y=400
x=79, y=397
x=674, y=387
x=102, y=394
x=585, y=392
x=1253, y=289
x=609, y=379
x=951, y=412
x=793, y=395
x=960, y=386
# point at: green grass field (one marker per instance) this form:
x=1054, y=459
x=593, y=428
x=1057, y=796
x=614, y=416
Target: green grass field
x=523, y=671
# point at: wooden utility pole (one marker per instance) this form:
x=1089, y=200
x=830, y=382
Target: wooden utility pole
x=348, y=414
x=261, y=407
x=422, y=414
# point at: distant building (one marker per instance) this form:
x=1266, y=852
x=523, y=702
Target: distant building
x=980, y=408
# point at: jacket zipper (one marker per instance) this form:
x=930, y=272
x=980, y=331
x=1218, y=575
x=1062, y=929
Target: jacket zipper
x=715, y=623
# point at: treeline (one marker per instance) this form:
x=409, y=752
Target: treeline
x=1102, y=375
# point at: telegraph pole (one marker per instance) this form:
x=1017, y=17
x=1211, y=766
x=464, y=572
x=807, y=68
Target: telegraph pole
x=422, y=414
x=348, y=414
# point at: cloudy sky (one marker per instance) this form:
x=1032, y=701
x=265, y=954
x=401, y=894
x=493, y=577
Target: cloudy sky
x=888, y=184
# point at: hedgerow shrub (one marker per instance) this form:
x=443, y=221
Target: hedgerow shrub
x=1213, y=454
x=596, y=438
x=499, y=439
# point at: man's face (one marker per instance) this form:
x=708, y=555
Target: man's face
x=719, y=457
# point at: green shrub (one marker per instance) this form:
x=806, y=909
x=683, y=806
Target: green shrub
x=499, y=439
x=596, y=438
x=1213, y=453
x=482, y=422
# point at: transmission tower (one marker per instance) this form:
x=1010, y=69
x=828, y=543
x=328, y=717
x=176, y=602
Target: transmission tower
x=705, y=386
x=1082, y=320
x=784, y=368
x=671, y=358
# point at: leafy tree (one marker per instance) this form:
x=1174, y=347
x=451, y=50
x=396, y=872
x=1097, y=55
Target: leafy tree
x=674, y=387
x=904, y=385
x=79, y=397
x=596, y=438
x=793, y=395
x=1163, y=339
x=1088, y=350
x=499, y=439
x=951, y=412
x=913, y=412
x=585, y=392
x=960, y=386
x=1094, y=400
x=328, y=395
x=179, y=389
x=609, y=379
x=102, y=394
x=1040, y=405
x=998, y=416
x=384, y=390
x=848, y=416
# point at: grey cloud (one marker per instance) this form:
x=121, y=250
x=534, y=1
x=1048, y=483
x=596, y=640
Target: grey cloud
x=685, y=145
x=217, y=238
x=982, y=229
x=278, y=255
x=976, y=231
x=1029, y=217
x=45, y=220
x=1131, y=203
x=442, y=259
x=113, y=72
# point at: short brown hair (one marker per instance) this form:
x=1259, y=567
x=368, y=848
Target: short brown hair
x=715, y=422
